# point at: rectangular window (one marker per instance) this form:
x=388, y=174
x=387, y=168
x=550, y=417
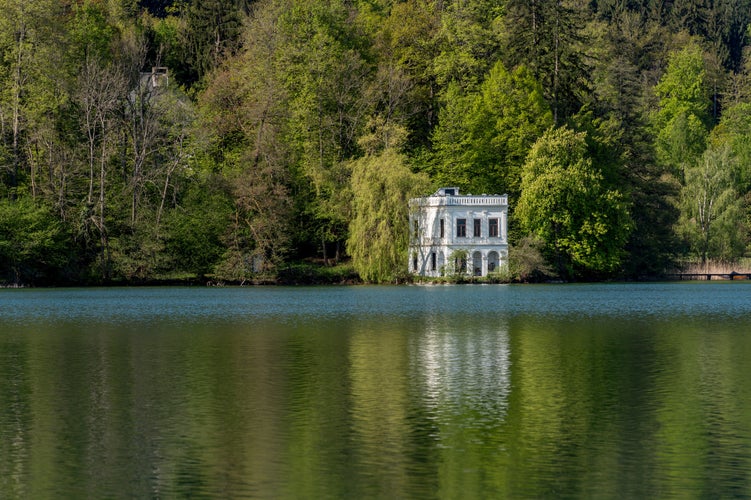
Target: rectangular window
x=477, y=232
x=461, y=228
x=414, y=263
x=432, y=262
x=493, y=228
x=416, y=228
x=442, y=229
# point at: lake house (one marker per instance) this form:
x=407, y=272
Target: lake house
x=453, y=233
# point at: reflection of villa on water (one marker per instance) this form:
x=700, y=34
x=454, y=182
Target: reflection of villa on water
x=461, y=370
x=453, y=233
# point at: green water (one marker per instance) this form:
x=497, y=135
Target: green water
x=617, y=390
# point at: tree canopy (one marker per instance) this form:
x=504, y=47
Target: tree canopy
x=567, y=203
x=228, y=140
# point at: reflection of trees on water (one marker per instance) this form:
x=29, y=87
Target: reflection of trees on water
x=15, y=418
x=428, y=402
x=428, y=407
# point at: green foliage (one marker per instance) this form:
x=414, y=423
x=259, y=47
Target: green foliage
x=91, y=34
x=712, y=218
x=469, y=41
x=195, y=230
x=299, y=100
x=734, y=130
x=457, y=263
x=682, y=120
x=210, y=34
x=30, y=81
x=565, y=201
x=307, y=273
x=526, y=262
x=166, y=34
x=627, y=54
x=378, y=233
x=34, y=247
x=482, y=139
x=405, y=54
x=548, y=37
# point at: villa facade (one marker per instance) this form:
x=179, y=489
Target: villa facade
x=453, y=233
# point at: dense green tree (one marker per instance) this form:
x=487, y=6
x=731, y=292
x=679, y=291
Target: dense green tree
x=627, y=50
x=210, y=33
x=91, y=34
x=722, y=23
x=405, y=86
x=712, y=210
x=156, y=165
x=682, y=120
x=547, y=36
x=245, y=117
x=469, y=40
x=734, y=130
x=29, y=37
x=34, y=246
x=526, y=262
x=318, y=67
x=725, y=171
x=382, y=184
x=565, y=201
x=482, y=139
x=196, y=229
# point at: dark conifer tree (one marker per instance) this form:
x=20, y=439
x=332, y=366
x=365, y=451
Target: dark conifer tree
x=212, y=33
x=546, y=36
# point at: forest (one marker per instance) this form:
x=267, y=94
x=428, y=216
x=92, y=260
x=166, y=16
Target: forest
x=238, y=141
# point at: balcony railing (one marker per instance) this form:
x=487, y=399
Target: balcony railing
x=460, y=201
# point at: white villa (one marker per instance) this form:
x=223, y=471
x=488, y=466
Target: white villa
x=450, y=233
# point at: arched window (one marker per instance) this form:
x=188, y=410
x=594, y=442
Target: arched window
x=460, y=263
x=493, y=261
x=477, y=264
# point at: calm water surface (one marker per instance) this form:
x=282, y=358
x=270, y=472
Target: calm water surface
x=616, y=390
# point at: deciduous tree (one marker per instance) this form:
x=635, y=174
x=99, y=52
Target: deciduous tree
x=28, y=32
x=483, y=138
x=681, y=123
x=382, y=184
x=566, y=202
x=101, y=89
x=33, y=242
x=712, y=218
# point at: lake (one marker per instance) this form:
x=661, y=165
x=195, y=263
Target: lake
x=474, y=391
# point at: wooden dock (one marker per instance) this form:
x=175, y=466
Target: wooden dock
x=708, y=276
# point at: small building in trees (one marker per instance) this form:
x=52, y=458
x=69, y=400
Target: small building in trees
x=452, y=233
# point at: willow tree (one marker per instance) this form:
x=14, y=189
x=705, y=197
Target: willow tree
x=382, y=185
